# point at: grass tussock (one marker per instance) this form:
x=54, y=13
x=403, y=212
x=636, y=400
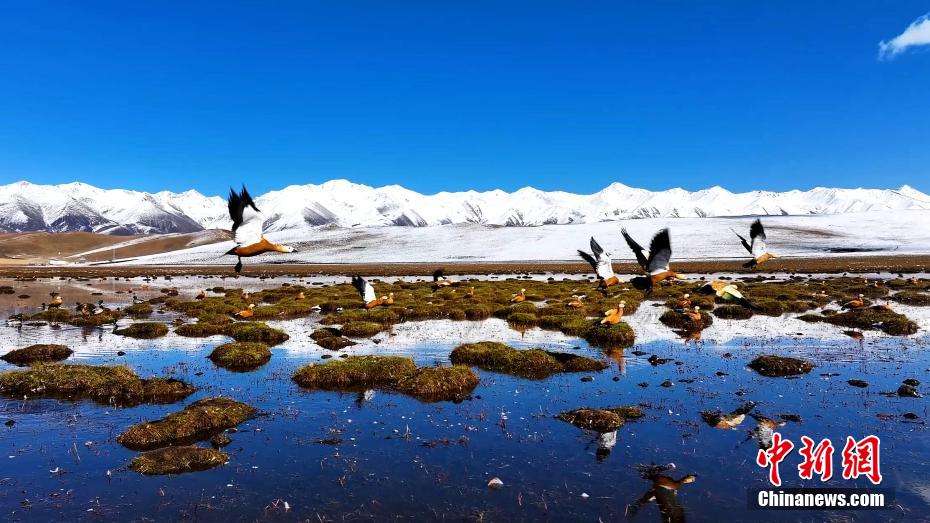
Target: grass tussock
x=138, y=310
x=199, y=421
x=439, y=383
x=619, y=335
x=680, y=320
x=733, y=312
x=177, y=460
x=530, y=363
x=886, y=321
x=395, y=373
x=241, y=356
x=103, y=384
x=780, y=366
x=355, y=373
x=920, y=299
x=256, y=331
x=144, y=330
x=42, y=353
x=361, y=329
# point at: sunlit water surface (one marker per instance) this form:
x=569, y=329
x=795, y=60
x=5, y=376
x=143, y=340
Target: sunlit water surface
x=394, y=457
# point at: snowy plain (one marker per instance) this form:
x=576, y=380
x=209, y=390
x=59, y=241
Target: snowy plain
x=860, y=234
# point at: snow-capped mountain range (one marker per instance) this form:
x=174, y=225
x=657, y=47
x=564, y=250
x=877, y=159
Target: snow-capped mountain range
x=80, y=207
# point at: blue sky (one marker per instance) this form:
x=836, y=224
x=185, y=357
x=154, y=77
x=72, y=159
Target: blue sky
x=467, y=95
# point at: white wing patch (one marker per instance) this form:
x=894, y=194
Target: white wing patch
x=369, y=293
x=605, y=269
x=250, y=231
x=758, y=246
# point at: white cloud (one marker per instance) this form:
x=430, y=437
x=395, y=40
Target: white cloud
x=918, y=33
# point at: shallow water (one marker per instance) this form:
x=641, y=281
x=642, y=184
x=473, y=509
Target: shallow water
x=399, y=457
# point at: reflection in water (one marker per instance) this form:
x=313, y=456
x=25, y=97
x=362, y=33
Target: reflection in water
x=617, y=354
x=764, y=430
x=606, y=441
x=664, y=491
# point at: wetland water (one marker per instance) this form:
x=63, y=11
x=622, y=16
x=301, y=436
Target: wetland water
x=333, y=456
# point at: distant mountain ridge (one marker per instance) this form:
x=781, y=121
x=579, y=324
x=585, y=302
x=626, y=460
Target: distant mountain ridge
x=80, y=207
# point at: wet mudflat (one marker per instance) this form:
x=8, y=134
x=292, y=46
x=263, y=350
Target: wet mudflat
x=375, y=453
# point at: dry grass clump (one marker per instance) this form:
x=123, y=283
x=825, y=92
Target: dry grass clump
x=102, y=384
x=241, y=356
x=144, y=330
x=198, y=421
x=780, y=366
x=530, y=363
x=598, y=420
x=41, y=353
x=177, y=460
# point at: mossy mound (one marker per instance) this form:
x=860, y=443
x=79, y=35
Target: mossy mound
x=780, y=366
x=874, y=319
x=395, y=373
x=530, y=363
x=95, y=320
x=108, y=385
x=522, y=319
x=921, y=299
x=355, y=373
x=241, y=356
x=177, y=460
x=680, y=320
x=811, y=318
x=199, y=421
x=42, y=353
x=200, y=330
x=257, y=332
x=331, y=339
x=619, y=335
x=769, y=307
x=732, y=312
x=598, y=420
x=145, y=330
x=476, y=313
x=361, y=329
x=439, y=383
x=137, y=310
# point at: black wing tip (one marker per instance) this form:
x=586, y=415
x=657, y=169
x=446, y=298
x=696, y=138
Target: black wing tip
x=438, y=273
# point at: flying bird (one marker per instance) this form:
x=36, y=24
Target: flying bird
x=655, y=262
x=600, y=261
x=247, y=228
x=367, y=292
x=755, y=245
x=725, y=291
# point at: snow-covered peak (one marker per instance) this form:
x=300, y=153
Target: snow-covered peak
x=77, y=206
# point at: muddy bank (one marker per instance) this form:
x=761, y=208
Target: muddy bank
x=837, y=264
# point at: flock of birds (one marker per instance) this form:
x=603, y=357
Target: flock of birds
x=248, y=235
